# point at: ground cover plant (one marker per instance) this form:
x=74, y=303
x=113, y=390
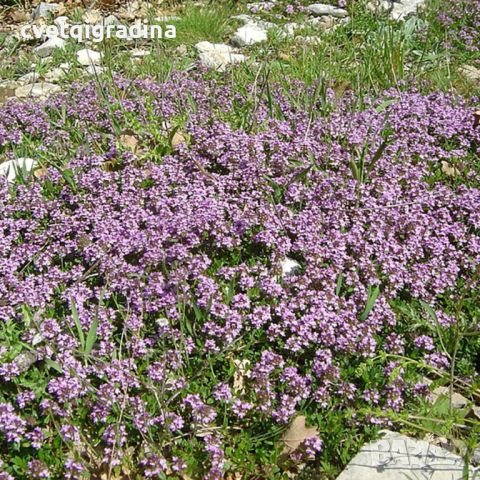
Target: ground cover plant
x=193, y=267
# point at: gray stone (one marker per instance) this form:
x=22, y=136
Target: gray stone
x=41, y=89
x=470, y=73
x=458, y=401
x=25, y=360
x=95, y=70
x=7, y=89
x=398, y=457
x=250, y=34
x=324, y=9
x=43, y=10
x=379, y=5
x=9, y=169
x=28, y=78
x=217, y=55
x=87, y=57
x=400, y=10
x=55, y=75
x=323, y=23
x=46, y=49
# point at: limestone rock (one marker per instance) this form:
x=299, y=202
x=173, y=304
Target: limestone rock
x=458, y=401
x=400, y=10
x=7, y=90
x=55, y=75
x=289, y=267
x=10, y=168
x=47, y=48
x=324, y=22
x=95, y=70
x=249, y=34
x=320, y=9
x=470, y=73
x=87, y=57
x=398, y=457
x=43, y=10
x=217, y=55
x=28, y=78
x=40, y=89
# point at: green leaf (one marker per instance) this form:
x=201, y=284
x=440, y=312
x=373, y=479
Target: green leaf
x=372, y=298
x=384, y=105
x=338, y=289
x=76, y=319
x=91, y=336
x=53, y=365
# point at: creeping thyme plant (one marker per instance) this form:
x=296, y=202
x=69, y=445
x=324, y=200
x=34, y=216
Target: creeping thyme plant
x=168, y=309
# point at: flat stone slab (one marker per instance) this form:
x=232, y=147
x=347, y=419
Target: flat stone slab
x=398, y=457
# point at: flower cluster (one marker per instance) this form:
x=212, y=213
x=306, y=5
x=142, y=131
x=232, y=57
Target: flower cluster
x=169, y=289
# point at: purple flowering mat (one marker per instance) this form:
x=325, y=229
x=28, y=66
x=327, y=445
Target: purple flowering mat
x=151, y=320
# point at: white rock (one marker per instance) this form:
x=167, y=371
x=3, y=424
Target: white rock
x=400, y=10
x=95, y=70
x=87, y=57
x=324, y=9
x=217, y=55
x=398, y=457
x=37, y=338
x=41, y=89
x=65, y=66
x=43, y=10
x=289, y=267
x=379, y=5
x=470, y=73
x=28, y=78
x=249, y=34
x=47, y=48
x=55, y=75
x=10, y=168
x=325, y=22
